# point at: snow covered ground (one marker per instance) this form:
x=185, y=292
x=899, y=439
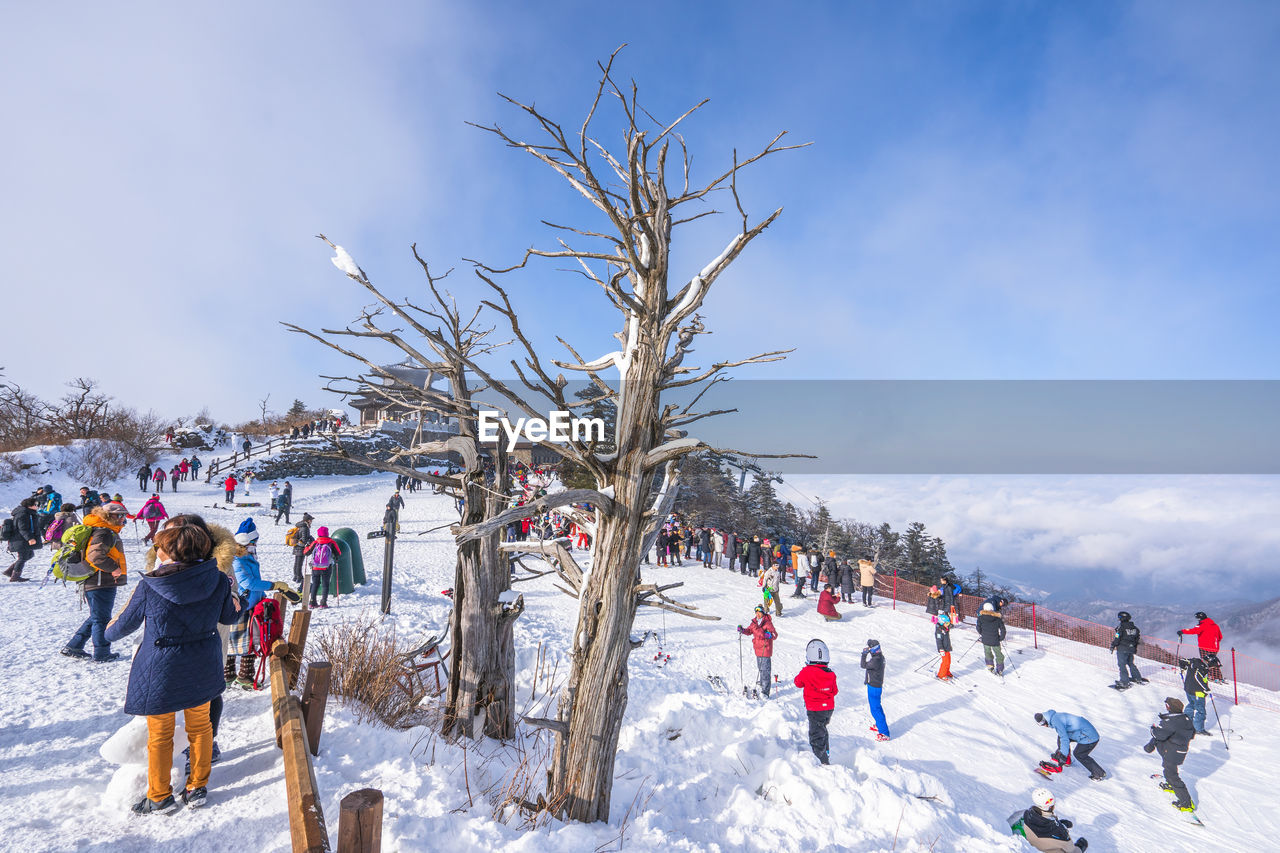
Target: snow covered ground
x=697, y=770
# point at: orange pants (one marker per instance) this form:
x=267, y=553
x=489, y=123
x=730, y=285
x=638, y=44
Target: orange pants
x=944, y=670
x=160, y=750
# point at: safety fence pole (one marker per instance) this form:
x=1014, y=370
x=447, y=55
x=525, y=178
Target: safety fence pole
x=895, y=589
x=1235, y=682
x=1035, y=638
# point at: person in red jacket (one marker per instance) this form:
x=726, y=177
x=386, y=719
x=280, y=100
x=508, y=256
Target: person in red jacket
x=762, y=634
x=827, y=604
x=819, y=685
x=1209, y=636
x=229, y=485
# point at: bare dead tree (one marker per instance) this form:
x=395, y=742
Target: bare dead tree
x=82, y=411
x=262, y=409
x=628, y=258
x=442, y=342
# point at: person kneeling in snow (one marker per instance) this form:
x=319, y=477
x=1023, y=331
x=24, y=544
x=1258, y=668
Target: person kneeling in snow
x=1071, y=729
x=827, y=604
x=819, y=685
x=1043, y=829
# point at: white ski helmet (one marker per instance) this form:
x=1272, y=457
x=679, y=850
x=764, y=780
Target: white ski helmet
x=816, y=652
x=1042, y=798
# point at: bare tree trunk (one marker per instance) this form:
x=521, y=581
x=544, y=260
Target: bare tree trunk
x=482, y=680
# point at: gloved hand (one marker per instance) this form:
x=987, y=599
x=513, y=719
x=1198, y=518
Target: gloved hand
x=1058, y=757
x=1179, y=635
x=741, y=630
x=1150, y=747
x=280, y=586
x=1065, y=823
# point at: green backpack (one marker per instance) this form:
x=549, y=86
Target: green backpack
x=69, y=563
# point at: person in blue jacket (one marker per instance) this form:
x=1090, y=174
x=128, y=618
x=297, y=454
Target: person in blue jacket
x=1071, y=729
x=178, y=665
x=252, y=590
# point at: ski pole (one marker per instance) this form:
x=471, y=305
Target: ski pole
x=741, y=674
x=1218, y=717
x=926, y=663
x=966, y=651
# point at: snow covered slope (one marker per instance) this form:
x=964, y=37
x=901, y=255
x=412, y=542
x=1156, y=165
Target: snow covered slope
x=697, y=769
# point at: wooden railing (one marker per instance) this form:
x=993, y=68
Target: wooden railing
x=299, y=723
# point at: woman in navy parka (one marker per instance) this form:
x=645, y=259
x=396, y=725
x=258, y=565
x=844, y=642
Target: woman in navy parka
x=178, y=666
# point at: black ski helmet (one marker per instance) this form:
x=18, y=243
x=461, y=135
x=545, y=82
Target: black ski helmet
x=1123, y=616
x=1200, y=614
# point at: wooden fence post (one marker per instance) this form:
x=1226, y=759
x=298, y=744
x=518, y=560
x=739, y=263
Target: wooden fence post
x=279, y=689
x=299, y=625
x=306, y=818
x=315, y=696
x=360, y=822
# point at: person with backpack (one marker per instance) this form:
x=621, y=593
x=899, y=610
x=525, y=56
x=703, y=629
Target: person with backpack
x=62, y=522
x=992, y=632
x=88, y=498
x=803, y=561
x=1070, y=729
x=103, y=555
x=251, y=636
x=324, y=552
x=298, y=538
x=1125, y=644
x=158, y=478
x=1209, y=639
x=21, y=531
x=179, y=605
x=1171, y=735
x=1043, y=829
x=195, y=467
x=819, y=685
x=152, y=512
x=229, y=487
x=942, y=637
x=827, y=604
x=174, y=476
x=873, y=663
x=1195, y=682
x=867, y=575
x=246, y=445
x=769, y=588
x=184, y=468
x=283, y=504
x=762, y=634
x=144, y=477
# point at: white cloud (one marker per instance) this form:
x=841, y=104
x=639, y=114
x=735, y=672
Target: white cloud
x=1212, y=533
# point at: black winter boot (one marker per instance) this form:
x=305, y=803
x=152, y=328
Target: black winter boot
x=245, y=676
x=229, y=670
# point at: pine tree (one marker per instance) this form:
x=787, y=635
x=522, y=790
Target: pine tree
x=296, y=411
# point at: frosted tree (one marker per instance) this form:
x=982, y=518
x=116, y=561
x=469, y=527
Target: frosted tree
x=442, y=342
x=642, y=191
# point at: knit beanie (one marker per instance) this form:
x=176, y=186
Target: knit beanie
x=247, y=533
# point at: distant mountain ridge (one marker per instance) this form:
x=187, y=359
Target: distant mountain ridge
x=1251, y=627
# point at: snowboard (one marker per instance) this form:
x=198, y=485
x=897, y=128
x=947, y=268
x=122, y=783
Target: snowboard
x=1047, y=769
x=1189, y=817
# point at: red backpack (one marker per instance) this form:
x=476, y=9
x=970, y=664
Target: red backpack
x=267, y=626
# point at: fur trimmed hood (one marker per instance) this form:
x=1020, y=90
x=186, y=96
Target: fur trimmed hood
x=224, y=552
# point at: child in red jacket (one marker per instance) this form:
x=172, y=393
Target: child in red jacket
x=762, y=634
x=819, y=685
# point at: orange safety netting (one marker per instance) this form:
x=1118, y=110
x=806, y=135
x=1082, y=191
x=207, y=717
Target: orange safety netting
x=1243, y=679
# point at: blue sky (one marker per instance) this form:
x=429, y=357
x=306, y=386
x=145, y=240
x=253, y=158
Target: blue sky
x=994, y=190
